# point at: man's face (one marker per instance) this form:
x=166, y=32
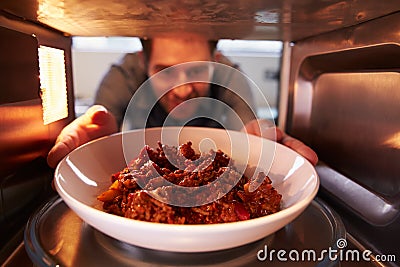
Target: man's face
x=170, y=51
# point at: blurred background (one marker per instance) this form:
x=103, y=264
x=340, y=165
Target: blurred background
x=93, y=56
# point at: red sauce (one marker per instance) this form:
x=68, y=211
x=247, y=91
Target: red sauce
x=152, y=170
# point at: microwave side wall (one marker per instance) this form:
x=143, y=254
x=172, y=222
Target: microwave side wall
x=25, y=178
x=342, y=99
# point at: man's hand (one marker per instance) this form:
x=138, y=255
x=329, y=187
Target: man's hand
x=95, y=123
x=266, y=129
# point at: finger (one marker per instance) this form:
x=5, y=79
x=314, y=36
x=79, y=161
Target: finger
x=262, y=128
x=272, y=133
x=301, y=148
x=101, y=121
x=100, y=117
x=60, y=150
x=279, y=134
x=95, y=108
x=95, y=123
x=105, y=119
x=268, y=132
x=251, y=128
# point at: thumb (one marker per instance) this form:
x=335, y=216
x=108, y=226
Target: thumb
x=95, y=123
x=60, y=150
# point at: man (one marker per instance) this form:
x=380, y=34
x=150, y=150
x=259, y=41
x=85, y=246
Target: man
x=162, y=102
x=176, y=64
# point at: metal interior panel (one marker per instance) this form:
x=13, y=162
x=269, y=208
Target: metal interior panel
x=18, y=58
x=355, y=124
x=255, y=19
x=343, y=101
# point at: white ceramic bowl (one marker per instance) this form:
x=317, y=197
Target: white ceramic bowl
x=82, y=175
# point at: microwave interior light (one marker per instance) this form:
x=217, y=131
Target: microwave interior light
x=53, y=85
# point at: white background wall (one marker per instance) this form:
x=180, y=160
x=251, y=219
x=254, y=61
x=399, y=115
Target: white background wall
x=88, y=68
x=257, y=67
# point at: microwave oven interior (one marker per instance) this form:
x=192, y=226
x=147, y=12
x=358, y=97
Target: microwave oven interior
x=338, y=93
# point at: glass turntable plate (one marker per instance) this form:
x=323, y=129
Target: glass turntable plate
x=56, y=236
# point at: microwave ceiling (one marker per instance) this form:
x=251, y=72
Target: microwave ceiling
x=286, y=20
